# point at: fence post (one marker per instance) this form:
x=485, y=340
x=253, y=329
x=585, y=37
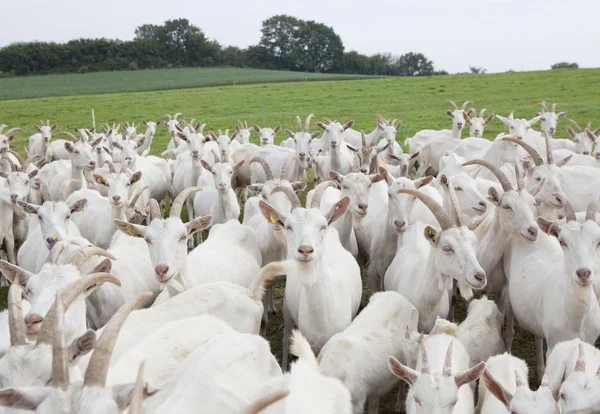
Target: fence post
x=263, y=116
x=93, y=119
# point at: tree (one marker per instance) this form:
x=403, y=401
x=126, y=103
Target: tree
x=565, y=65
x=415, y=64
x=321, y=49
x=279, y=38
x=476, y=71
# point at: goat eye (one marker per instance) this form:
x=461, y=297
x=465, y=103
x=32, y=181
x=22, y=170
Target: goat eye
x=148, y=241
x=183, y=238
x=562, y=243
x=68, y=218
x=447, y=249
x=458, y=189
x=323, y=228
x=563, y=397
x=538, y=179
x=507, y=207
x=288, y=228
x=417, y=401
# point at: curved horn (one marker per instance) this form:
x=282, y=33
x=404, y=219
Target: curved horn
x=137, y=395
x=424, y=358
x=179, y=200
x=452, y=103
x=436, y=209
x=327, y=119
x=544, y=107
x=464, y=105
x=576, y=125
x=265, y=165
x=298, y=124
x=95, y=374
x=10, y=163
x=307, y=123
x=136, y=197
x=67, y=188
x=590, y=213
x=81, y=255
x=60, y=368
x=291, y=195
x=169, y=116
x=502, y=178
x=532, y=152
x=17, y=156
x=548, y=147
x=111, y=166
x=15, y=315
x=363, y=138
x=455, y=205
x=239, y=124
x=11, y=130
x=568, y=207
x=69, y=294
x=176, y=115
x=68, y=134
x=154, y=210
x=481, y=112
x=30, y=160
x=447, y=371
x=285, y=170
x=554, y=107
x=319, y=190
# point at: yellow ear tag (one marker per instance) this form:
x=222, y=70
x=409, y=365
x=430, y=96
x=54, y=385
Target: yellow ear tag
x=474, y=220
x=549, y=228
x=273, y=218
x=17, y=276
x=130, y=231
x=99, y=180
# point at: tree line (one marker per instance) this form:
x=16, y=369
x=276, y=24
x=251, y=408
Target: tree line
x=286, y=43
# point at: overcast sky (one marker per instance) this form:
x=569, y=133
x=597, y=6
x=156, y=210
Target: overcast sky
x=496, y=34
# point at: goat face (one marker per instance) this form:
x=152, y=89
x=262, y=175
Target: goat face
x=518, y=128
x=458, y=119
x=19, y=185
x=400, y=206
x=515, y=211
x=357, y=187
x=81, y=155
x=120, y=187
x=471, y=202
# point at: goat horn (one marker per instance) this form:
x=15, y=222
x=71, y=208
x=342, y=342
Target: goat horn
x=67, y=188
x=15, y=315
x=532, y=152
x=464, y=105
x=265, y=165
x=154, y=209
x=60, y=368
x=111, y=166
x=436, y=209
x=291, y=195
x=30, y=160
x=481, y=112
x=452, y=103
x=576, y=125
x=363, y=138
x=381, y=119
x=11, y=130
x=298, y=124
x=215, y=156
x=137, y=395
x=11, y=164
x=519, y=176
x=240, y=125
x=68, y=134
x=455, y=205
x=580, y=365
x=502, y=178
x=81, y=255
x=285, y=170
x=262, y=403
x=307, y=123
x=567, y=206
x=590, y=213
x=95, y=374
x=319, y=190
x=17, y=156
x=176, y=115
x=544, y=107
x=2, y=127
x=327, y=119
x=424, y=359
x=179, y=200
x=69, y=294
x=169, y=116
x=447, y=371
x=548, y=147
x=554, y=107
x=136, y=197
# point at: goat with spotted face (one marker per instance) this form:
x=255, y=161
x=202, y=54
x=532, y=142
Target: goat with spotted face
x=477, y=124
x=442, y=386
x=266, y=135
x=38, y=143
x=317, y=265
x=449, y=255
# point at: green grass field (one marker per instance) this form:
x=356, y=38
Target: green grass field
x=419, y=102
x=148, y=80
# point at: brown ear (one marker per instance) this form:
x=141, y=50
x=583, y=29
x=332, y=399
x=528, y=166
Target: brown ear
x=289, y=133
x=69, y=147
x=444, y=180
x=338, y=210
x=494, y=196
x=37, y=128
x=198, y=224
x=336, y=176
x=135, y=177
x=561, y=114
x=182, y=136
x=321, y=125
x=298, y=186
x=28, y=208
x=489, y=119
x=238, y=165
x=15, y=273
x=375, y=178
x=469, y=375
x=78, y=206
x=571, y=132
x=99, y=179
x=548, y=227
x=256, y=128
x=103, y=267
x=315, y=134
x=423, y=181
x=54, y=127
x=564, y=161
x=134, y=230
x=348, y=124
x=33, y=174
x=404, y=373
x=385, y=175
x=449, y=113
x=206, y=165
x=497, y=390
x=271, y=214
x=277, y=128
x=430, y=234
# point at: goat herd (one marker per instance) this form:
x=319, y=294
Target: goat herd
x=115, y=303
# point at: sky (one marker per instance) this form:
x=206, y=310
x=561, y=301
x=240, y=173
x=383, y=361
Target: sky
x=497, y=35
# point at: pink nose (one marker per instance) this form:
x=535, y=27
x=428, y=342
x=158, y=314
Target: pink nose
x=161, y=271
x=305, y=250
x=32, y=319
x=13, y=197
x=116, y=199
x=399, y=224
x=92, y=164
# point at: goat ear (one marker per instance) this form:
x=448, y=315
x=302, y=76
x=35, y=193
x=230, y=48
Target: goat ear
x=122, y=394
x=4, y=175
x=467, y=118
x=321, y=125
x=27, y=398
x=561, y=114
x=497, y=390
x=82, y=345
x=15, y=273
x=32, y=174
x=198, y=224
x=375, y=178
x=277, y=128
x=271, y=214
x=103, y=267
x=386, y=146
x=489, y=119
x=494, y=196
x=99, y=179
x=256, y=128
x=385, y=175
x=78, y=206
x=298, y=186
x=182, y=136
x=134, y=230
x=423, y=181
x=315, y=134
x=590, y=135
x=37, y=128
x=348, y=124
x=469, y=375
x=338, y=210
x=564, y=161
x=548, y=227
x=289, y=133
x=135, y=177
x=403, y=372
x=449, y=113
x=28, y=208
x=430, y=171
x=336, y=176
x=444, y=180
x=238, y=165
x=69, y=147
x=534, y=120
x=431, y=234
x=206, y=165
x=571, y=131
x=54, y=127
x=503, y=120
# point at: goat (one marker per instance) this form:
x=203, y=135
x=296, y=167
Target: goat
x=38, y=142
x=266, y=135
x=478, y=124
x=339, y=158
x=5, y=151
x=301, y=141
x=354, y=138
x=583, y=141
x=549, y=118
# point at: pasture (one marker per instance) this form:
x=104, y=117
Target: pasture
x=418, y=102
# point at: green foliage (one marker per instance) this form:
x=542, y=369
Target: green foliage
x=476, y=71
x=565, y=65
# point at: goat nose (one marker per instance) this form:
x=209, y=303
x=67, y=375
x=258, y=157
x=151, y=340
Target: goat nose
x=483, y=204
x=13, y=197
x=32, y=319
x=302, y=154
x=519, y=137
x=161, y=270
x=116, y=198
x=195, y=152
x=586, y=153
x=51, y=241
x=533, y=231
x=305, y=250
x=399, y=224
x=459, y=124
x=363, y=170
x=583, y=274
x=479, y=276
x=363, y=207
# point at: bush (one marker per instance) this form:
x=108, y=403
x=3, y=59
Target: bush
x=133, y=66
x=565, y=65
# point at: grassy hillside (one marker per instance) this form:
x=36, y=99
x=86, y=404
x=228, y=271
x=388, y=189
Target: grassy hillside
x=147, y=80
x=419, y=102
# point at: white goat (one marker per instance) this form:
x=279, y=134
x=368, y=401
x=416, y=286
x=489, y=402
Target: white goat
x=478, y=124
x=38, y=143
x=267, y=135
x=354, y=138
